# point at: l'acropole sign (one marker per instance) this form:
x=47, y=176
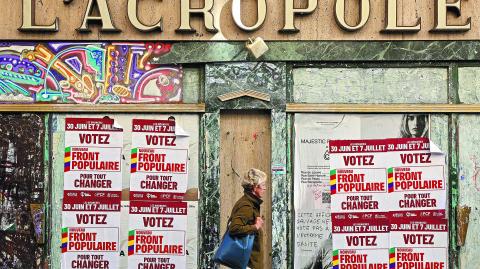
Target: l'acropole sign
x=237, y=19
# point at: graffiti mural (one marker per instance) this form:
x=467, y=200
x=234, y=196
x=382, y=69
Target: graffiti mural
x=22, y=183
x=92, y=73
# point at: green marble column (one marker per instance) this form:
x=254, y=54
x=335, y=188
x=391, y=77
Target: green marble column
x=57, y=141
x=209, y=213
x=280, y=191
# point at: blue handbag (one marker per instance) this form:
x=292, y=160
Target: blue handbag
x=234, y=251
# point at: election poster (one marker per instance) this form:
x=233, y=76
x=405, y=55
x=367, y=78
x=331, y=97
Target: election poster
x=418, y=239
x=191, y=242
x=93, y=153
x=359, y=205
x=92, y=193
x=159, y=161
x=417, y=187
x=360, y=240
x=358, y=178
x=312, y=223
x=157, y=234
x=416, y=176
x=414, y=212
x=90, y=230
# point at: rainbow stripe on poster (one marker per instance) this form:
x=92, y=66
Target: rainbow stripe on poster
x=131, y=242
x=335, y=259
x=64, y=240
x=392, y=258
x=67, y=159
x=134, y=160
x=390, y=179
x=333, y=181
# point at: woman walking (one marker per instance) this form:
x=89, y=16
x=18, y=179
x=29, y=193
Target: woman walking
x=245, y=216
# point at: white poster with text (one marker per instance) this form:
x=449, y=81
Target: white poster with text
x=159, y=161
x=92, y=193
x=157, y=234
x=312, y=230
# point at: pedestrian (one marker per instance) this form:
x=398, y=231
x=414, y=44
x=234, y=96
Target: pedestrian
x=245, y=216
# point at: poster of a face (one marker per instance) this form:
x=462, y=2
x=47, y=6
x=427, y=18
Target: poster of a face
x=312, y=227
x=414, y=125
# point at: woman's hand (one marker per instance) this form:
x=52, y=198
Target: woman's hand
x=258, y=223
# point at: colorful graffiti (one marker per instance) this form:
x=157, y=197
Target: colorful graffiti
x=93, y=73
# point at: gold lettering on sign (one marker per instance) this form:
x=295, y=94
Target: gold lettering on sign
x=441, y=9
x=290, y=12
x=132, y=12
x=104, y=18
x=28, y=20
x=97, y=12
x=185, y=12
x=237, y=16
x=340, y=15
x=391, y=22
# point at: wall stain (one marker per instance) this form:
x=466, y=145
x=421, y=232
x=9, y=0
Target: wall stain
x=476, y=172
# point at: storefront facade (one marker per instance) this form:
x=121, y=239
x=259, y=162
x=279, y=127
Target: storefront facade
x=145, y=60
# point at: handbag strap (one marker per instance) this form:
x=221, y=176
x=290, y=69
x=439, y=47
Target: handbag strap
x=229, y=221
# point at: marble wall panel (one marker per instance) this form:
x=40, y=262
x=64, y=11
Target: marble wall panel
x=269, y=78
x=469, y=185
x=324, y=51
x=469, y=85
x=370, y=85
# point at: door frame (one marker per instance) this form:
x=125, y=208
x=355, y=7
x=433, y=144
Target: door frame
x=220, y=79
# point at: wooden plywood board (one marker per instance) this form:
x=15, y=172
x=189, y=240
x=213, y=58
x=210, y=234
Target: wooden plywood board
x=245, y=143
x=319, y=25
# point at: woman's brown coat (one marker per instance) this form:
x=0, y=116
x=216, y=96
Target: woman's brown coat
x=244, y=213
